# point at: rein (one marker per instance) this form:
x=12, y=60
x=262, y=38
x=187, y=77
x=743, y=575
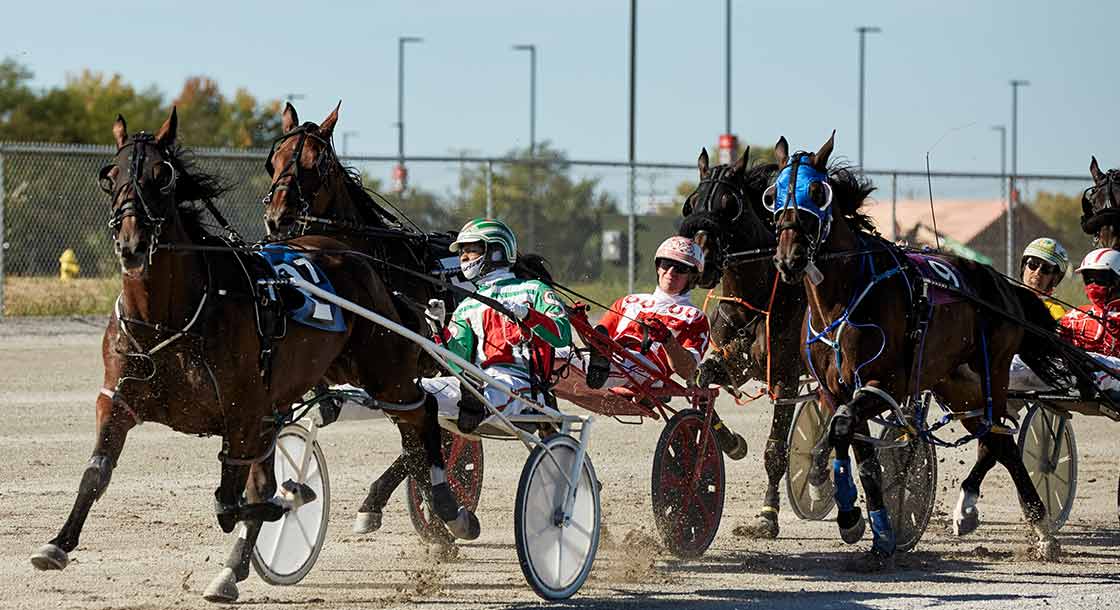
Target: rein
x=769, y=391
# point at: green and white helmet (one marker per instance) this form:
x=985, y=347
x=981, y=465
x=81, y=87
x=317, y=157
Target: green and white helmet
x=501, y=245
x=1048, y=250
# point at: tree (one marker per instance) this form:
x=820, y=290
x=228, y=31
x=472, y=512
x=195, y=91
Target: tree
x=1063, y=212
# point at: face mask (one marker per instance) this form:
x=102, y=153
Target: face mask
x=473, y=269
x=1098, y=295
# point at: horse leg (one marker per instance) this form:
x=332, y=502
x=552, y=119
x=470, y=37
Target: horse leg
x=870, y=476
x=730, y=442
x=461, y=522
x=112, y=429
x=776, y=461
x=846, y=421
x=966, y=515
x=1005, y=450
x=261, y=488
x=368, y=518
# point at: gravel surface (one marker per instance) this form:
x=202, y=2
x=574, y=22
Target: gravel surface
x=153, y=542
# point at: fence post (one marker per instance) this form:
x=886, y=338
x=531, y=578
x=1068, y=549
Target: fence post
x=1011, y=197
x=3, y=198
x=894, y=207
x=630, y=232
x=489, y=188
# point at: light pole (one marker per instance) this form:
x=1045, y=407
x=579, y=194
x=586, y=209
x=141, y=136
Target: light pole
x=727, y=71
x=863, y=32
x=631, y=222
x=532, y=49
x=400, y=175
x=1002, y=159
x=346, y=141
x=1013, y=191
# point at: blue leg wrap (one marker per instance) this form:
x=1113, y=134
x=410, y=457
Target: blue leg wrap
x=883, y=540
x=845, y=487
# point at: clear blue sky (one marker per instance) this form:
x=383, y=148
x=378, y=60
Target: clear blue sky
x=935, y=67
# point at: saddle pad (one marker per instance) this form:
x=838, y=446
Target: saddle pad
x=286, y=262
x=942, y=272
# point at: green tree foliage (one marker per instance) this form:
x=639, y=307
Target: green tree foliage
x=82, y=110
x=552, y=214
x=1063, y=212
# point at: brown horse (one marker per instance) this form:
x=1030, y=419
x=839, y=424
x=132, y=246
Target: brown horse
x=1100, y=206
x=875, y=338
x=313, y=193
x=182, y=347
x=725, y=216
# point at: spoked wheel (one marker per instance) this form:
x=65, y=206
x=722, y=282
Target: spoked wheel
x=463, y=460
x=286, y=550
x=1049, y=451
x=687, y=484
x=810, y=425
x=909, y=483
x=555, y=553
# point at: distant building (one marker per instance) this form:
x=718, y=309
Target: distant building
x=973, y=228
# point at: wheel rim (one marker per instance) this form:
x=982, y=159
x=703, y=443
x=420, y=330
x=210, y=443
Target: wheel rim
x=286, y=549
x=688, y=506
x=809, y=424
x=909, y=483
x=556, y=559
x=1050, y=455
x=463, y=459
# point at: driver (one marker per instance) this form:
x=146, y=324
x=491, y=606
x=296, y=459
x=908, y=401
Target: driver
x=490, y=339
x=1042, y=267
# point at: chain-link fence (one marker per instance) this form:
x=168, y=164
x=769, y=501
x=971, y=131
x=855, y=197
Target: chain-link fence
x=573, y=212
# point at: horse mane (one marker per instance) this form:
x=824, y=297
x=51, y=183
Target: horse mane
x=372, y=213
x=850, y=190
x=754, y=182
x=194, y=191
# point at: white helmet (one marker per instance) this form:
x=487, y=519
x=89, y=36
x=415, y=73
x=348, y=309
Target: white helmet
x=1101, y=259
x=682, y=250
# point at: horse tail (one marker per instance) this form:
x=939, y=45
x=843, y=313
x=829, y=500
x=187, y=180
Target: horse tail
x=1052, y=358
x=532, y=267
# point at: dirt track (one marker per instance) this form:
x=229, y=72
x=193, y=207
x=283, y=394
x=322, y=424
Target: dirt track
x=153, y=542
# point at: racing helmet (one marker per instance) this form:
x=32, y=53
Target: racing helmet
x=1101, y=259
x=682, y=250
x=1048, y=250
x=501, y=245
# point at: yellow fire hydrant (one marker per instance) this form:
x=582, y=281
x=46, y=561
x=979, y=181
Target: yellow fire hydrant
x=68, y=268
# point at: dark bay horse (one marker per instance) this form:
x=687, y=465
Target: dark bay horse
x=725, y=216
x=312, y=193
x=876, y=337
x=1100, y=206
x=182, y=347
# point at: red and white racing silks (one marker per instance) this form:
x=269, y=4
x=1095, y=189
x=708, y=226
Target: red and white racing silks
x=686, y=321
x=1085, y=329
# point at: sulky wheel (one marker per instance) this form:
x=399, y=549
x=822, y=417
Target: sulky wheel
x=1049, y=452
x=909, y=483
x=687, y=484
x=286, y=550
x=810, y=425
x=556, y=553
x=463, y=461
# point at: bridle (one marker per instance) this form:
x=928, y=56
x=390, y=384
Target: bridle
x=292, y=171
x=1093, y=219
x=717, y=176
x=136, y=206
x=797, y=198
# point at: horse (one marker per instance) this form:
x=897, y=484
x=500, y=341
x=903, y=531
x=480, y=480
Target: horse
x=313, y=193
x=184, y=348
x=1100, y=206
x=874, y=336
x=725, y=216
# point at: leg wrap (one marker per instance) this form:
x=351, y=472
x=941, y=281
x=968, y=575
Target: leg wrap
x=228, y=514
x=871, y=476
x=239, y=555
x=883, y=539
x=845, y=487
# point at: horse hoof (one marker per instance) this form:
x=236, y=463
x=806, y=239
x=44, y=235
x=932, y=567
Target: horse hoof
x=763, y=527
x=967, y=523
x=870, y=562
x=365, y=523
x=853, y=533
x=50, y=557
x=223, y=589
x=465, y=526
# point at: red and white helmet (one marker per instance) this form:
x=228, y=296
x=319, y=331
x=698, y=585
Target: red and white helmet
x=1103, y=259
x=682, y=250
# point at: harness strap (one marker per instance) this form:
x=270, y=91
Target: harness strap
x=118, y=401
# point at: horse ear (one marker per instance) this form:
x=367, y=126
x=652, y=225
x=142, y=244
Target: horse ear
x=781, y=152
x=702, y=163
x=1095, y=170
x=120, y=131
x=166, y=135
x=289, y=120
x=820, y=160
x=741, y=164
x=327, y=126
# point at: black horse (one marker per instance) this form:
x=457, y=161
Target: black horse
x=1100, y=207
x=726, y=217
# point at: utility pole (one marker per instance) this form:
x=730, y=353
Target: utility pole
x=863, y=32
x=1013, y=191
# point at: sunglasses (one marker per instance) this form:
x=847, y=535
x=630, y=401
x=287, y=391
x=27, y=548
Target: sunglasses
x=674, y=265
x=1034, y=264
x=1100, y=278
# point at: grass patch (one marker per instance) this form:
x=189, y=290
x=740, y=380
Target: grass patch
x=50, y=296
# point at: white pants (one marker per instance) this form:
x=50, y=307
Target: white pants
x=627, y=374
x=447, y=393
x=1024, y=379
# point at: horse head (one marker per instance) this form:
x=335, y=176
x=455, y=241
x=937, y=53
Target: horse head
x=141, y=182
x=1100, y=206
x=801, y=202
x=303, y=167
x=723, y=212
